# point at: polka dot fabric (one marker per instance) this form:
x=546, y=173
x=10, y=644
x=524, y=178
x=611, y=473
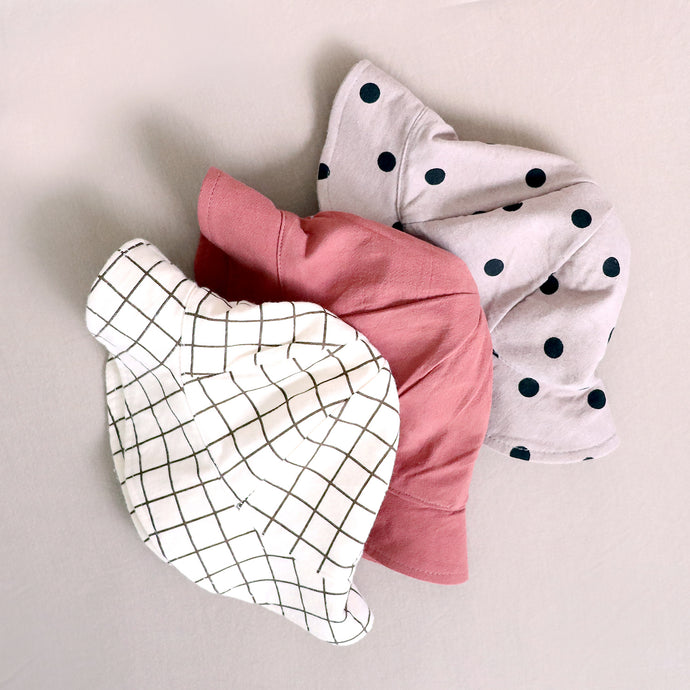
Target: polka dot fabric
x=547, y=251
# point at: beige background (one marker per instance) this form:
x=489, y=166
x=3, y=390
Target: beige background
x=110, y=113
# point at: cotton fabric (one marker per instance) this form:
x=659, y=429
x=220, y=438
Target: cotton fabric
x=253, y=443
x=419, y=306
x=540, y=238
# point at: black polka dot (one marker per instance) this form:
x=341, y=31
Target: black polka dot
x=369, y=93
x=610, y=334
x=324, y=171
x=528, y=387
x=535, y=177
x=493, y=267
x=398, y=225
x=550, y=285
x=475, y=213
x=520, y=452
x=386, y=161
x=596, y=399
x=589, y=457
x=513, y=207
x=611, y=267
x=494, y=353
x=580, y=218
x=553, y=348
x=435, y=176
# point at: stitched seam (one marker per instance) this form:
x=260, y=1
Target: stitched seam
x=183, y=323
x=504, y=439
x=412, y=568
x=210, y=198
x=445, y=508
x=279, y=250
x=566, y=260
x=398, y=187
x=582, y=180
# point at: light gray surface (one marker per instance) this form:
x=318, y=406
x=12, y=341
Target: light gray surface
x=110, y=114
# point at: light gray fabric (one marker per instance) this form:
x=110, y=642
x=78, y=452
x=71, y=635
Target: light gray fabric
x=253, y=443
x=542, y=242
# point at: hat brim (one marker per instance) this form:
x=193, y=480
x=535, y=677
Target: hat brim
x=408, y=532
x=552, y=407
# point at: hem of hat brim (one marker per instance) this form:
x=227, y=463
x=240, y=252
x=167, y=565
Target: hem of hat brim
x=455, y=572
x=558, y=457
x=147, y=537
x=437, y=578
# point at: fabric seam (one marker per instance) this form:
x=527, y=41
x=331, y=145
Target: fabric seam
x=411, y=568
x=403, y=157
x=279, y=250
x=404, y=495
x=210, y=198
x=499, y=439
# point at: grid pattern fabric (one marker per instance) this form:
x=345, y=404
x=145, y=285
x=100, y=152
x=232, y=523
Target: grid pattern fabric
x=253, y=443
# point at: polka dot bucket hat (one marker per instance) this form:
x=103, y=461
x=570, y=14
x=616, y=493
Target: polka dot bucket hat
x=254, y=443
x=546, y=249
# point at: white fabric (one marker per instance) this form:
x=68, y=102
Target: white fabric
x=254, y=443
x=542, y=242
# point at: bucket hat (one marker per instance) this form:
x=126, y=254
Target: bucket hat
x=542, y=241
x=253, y=443
x=418, y=305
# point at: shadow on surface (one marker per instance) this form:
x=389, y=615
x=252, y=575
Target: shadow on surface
x=71, y=233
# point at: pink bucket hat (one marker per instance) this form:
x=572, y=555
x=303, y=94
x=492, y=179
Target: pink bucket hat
x=547, y=251
x=419, y=307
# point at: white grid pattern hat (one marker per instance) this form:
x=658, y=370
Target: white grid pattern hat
x=541, y=240
x=253, y=443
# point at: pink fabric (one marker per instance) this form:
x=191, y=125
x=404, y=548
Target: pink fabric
x=418, y=305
